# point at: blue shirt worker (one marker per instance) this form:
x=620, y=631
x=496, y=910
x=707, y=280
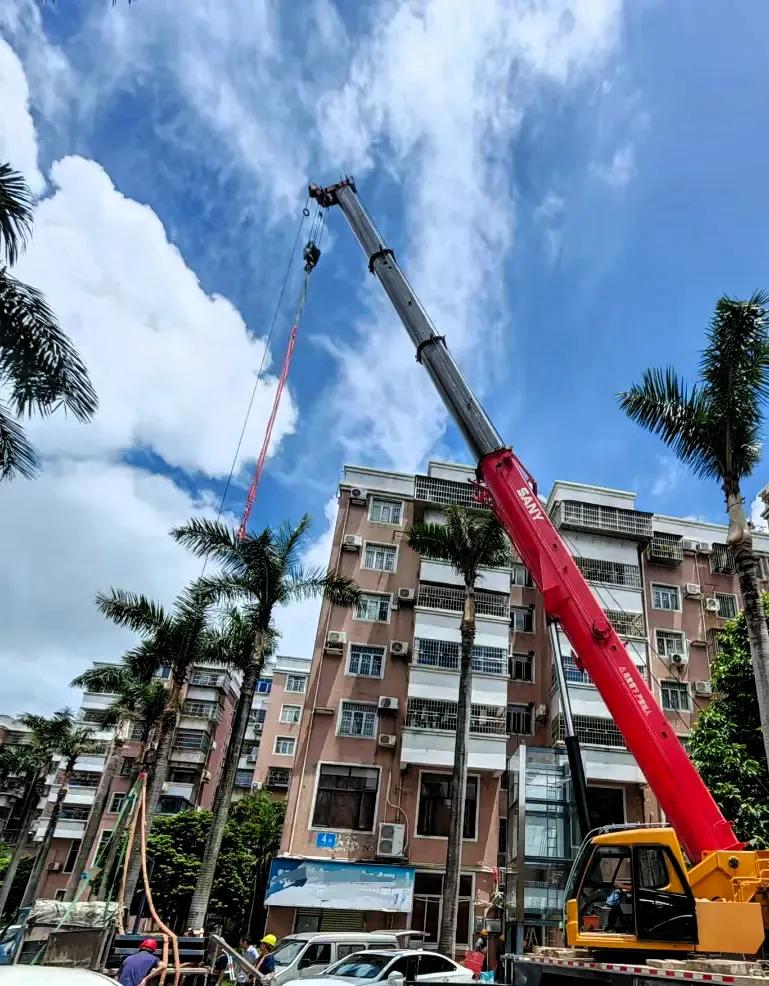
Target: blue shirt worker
x=137, y=967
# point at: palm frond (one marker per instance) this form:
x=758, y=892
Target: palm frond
x=15, y=213
x=104, y=678
x=663, y=405
x=132, y=610
x=17, y=455
x=42, y=368
x=207, y=538
x=431, y=540
x=308, y=583
x=290, y=539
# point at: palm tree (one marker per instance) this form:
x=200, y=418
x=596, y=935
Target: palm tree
x=65, y=737
x=263, y=571
x=30, y=762
x=136, y=702
x=469, y=540
x=174, y=639
x=39, y=367
x=715, y=429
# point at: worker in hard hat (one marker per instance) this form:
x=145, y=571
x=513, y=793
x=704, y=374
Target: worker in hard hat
x=136, y=968
x=266, y=963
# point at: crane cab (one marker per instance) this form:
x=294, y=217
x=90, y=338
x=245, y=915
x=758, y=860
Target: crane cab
x=630, y=890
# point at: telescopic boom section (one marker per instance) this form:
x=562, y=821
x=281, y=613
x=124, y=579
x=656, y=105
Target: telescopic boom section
x=682, y=794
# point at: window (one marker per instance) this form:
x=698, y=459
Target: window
x=349, y=948
x=84, y=778
x=592, y=730
x=199, y=710
x=373, y=606
x=94, y=716
x=137, y=732
x=278, y=777
x=520, y=575
x=435, y=806
x=522, y=666
x=666, y=597
x=445, y=654
x=117, y=803
x=284, y=746
x=290, y=713
x=75, y=813
x=385, y=511
x=250, y=748
x=609, y=572
x=670, y=642
x=428, y=902
x=296, y=683
x=264, y=687
x=727, y=605
x=104, y=837
x=357, y=719
x=519, y=720
x=183, y=775
x=434, y=964
x=380, y=557
x=346, y=797
x=59, y=894
x=365, y=661
x=319, y=953
x=244, y=778
x=207, y=679
x=74, y=848
x=522, y=619
x=675, y=696
x=127, y=766
x=257, y=716
x=652, y=869
x=191, y=739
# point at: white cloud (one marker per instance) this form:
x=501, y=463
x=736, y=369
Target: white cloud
x=756, y=514
x=18, y=140
x=669, y=475
x=620, y=170
x=173, y=367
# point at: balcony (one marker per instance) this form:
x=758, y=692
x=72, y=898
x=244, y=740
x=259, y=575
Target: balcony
x=609, y=572
x=444, y=655
x=278, y=778
x=440, y=572
x=434, y=747
x=635, y=525
x=452, y=600
x=446, y=491
x=441, y=716
x=627, y=624
x=178, y=790
x=207, y=679
x=722, y=561
x=591, y=731
x=665, y=549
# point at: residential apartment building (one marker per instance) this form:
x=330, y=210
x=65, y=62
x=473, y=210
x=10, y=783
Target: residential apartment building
x=365, y=837
x=197, y=755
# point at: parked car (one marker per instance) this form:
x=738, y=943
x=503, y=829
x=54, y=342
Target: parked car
x=304, y=955
x=376, y=966
x=33, y=975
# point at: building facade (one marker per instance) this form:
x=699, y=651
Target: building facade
x=370, y=787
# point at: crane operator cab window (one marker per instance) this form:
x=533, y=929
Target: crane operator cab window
x=639, y=891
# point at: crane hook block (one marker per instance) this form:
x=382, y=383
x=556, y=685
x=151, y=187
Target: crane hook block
x=311, y=255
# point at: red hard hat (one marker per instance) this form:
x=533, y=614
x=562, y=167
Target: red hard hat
x=150, y=944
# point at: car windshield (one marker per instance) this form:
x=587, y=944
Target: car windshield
x=287, y=951
x=361, y=965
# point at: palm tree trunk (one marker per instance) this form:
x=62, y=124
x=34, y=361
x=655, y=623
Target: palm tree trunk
x=94, y=819
x=19, y=852
x=35, y=877
x=447, y=935
x=223, y=799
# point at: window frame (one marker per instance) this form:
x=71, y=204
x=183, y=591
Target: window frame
x=434, y=772
x=295, y=677
x=385, y=499
x=530, y=612
x=428, y=943
x=515, y=569
x=668, y=588
x=379, y=544
x=290, y=722
x=381, y=595
x=530, y=656
x=529, y=711
x=731, y=596
x=338, y=763
x=356, y=674
x=679, y=687
x=353, y=701
x=288, y=739
x=662, y=651
x=117, y=794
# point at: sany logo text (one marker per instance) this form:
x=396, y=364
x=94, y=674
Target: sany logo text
x=531, y=503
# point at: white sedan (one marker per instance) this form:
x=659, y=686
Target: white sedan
x=34, y=975
x=362, y=968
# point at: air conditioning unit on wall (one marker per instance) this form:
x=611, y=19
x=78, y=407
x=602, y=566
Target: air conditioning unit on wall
x=692, y=590
x=388, y=703
x=392, y=837
x=357, y=495
x=335, y=640
x=711, y=605
x=703, y=688
x=406, y=595
x=399, y=648
x=678, y=660
x=387, y=740
x=352, y=542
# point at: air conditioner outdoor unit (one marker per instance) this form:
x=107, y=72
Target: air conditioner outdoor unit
x=358, y=495
x=541, y=711
x=692, y=589
x=336, y=640
x=388, y=703
x=352, y=542
x=711, y=605
x=406, y=595
x=704, y=546
x=54, y=867
x=678, y=660
x=391, y=839
x=258, y=727
x=251, y=757
x=689, y=544
x=703, y=688
x=399, y=648
x=387, y=740
x=257, y=786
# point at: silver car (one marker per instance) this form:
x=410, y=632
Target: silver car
x=363, y=968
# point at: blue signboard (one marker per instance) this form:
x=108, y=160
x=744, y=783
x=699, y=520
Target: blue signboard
x=332, y=885
x=325, y=840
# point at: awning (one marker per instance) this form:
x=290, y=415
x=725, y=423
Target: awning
x=340, y=886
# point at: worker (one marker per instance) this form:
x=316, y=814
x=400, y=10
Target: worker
x=266, y=963
x=250, y=954
x=141, y=965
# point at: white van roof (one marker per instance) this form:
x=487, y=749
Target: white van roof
x=341, y=936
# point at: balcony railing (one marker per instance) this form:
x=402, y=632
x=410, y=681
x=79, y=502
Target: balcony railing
x=666, y=549
x=445, y=654
x=633, y=524
x=451, y=599
x=436, y=714
x=592, y=730
x=722, y=561
x=609, y=572
x=207, y=679
x=627, y=624
x=278, y=777
x=209, y=711
x=445, y=491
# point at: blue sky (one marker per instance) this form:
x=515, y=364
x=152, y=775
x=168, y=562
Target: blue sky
x=570, y=186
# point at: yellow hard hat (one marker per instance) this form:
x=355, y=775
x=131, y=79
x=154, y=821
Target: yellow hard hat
x=270, y=940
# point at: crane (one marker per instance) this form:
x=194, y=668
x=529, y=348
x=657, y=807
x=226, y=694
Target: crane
x=710, y=902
